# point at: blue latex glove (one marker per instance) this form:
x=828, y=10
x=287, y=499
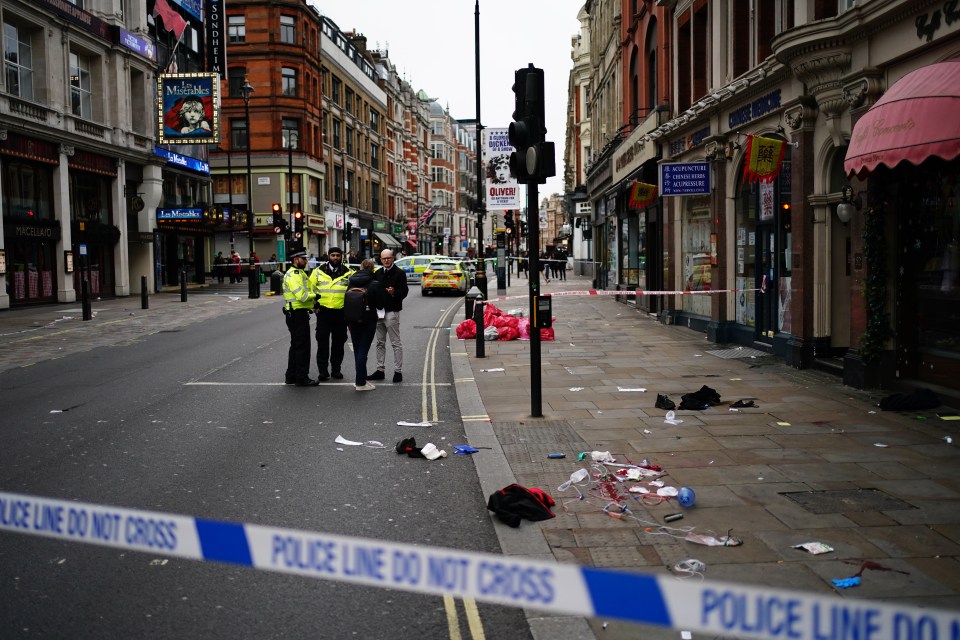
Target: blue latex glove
x=464, y=449
x=846, y=583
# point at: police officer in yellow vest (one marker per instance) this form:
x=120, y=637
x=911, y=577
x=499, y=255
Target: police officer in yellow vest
x=298, y=299
x=329, y=282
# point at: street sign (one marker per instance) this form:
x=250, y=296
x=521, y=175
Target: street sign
x=684, y=178
x=363, y=232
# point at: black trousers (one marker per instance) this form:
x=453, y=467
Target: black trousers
x=331, y=336
x=298, y=358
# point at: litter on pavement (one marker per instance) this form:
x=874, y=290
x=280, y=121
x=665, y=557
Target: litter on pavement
x=515, y=503
x=373, y=444
x=814, y=548
x=404, y=423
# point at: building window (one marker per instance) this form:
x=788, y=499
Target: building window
x=335, y=90
x=374, y=120
x=375, y=197
x=349, y=141
x=237, y=28
x=288, y=82
x=238, y=133
x=291, y=128
x=348, y=104
x=338, y=184
x=349, y=185
x=235, y=78
x=288, y=30
x=81, y=92
x=336, y=135
x=18, y=61
x=375, y=155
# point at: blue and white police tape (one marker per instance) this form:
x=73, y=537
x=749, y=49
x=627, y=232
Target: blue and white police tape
x=704, y=606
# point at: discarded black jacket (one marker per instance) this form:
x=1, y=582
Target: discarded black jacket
x=515, y=503
x=700, y=400
x=919, y=400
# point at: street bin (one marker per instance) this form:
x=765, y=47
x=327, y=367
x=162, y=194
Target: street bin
x=470, y=300
x=276, y=283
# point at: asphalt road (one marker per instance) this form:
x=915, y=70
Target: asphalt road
x=194, y=420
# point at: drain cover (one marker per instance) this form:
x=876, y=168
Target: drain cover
x=739, y=352
x=821, y=502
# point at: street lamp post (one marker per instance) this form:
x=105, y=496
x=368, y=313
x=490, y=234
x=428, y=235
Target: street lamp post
x=293, y=139
x=245, y=91
x=481, y=209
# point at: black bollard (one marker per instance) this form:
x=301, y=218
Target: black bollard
x=85, y=300
x=144, y=300
x=183, y=285
x=478, y=320
x=253, y=285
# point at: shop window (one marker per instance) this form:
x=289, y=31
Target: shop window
x=27, y=189
x=697, y=250
x=18, y=61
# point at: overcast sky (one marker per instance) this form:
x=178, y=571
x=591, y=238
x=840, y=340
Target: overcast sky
x=432, y=44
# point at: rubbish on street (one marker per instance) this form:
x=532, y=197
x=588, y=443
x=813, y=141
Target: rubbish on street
x=673, y=517
x=431, y=452
x=404, y=423
x=745, y=404
x=515, y=503
x=880, y=444
x=920, y=400
x=690, y=566
x=686, y=497
x=576, y=388
x=671, y=418
x=664, y=402
x=556, y=455
x=373, y=444
x=352, y=443
x=641, y=389
x=814, y=548
x=464, y=449
x=409, y=447
x=846, y=583
x=713, y=541
x=701, y=399
x=491, y=370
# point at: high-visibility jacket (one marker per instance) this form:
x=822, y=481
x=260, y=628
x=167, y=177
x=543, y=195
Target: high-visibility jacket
x=329, y=290
x=297, y=292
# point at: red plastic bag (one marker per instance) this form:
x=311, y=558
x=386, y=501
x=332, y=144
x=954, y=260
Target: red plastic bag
x=524, y=328
x=467, y=330
x=508, y=333
x=546, y=335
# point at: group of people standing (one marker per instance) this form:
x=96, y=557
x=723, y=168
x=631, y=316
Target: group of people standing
x=553, y=263
x=223, y=266
x=322, y=292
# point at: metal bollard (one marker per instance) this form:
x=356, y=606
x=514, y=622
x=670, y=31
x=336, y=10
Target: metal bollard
x=469, y=300
x=144, y=300
x=478, y=320
x=253, y=284
x=183, y=285
x=85, y=300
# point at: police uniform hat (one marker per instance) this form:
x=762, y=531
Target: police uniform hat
x=297, y=252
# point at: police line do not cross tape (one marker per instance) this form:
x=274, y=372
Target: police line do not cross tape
x=703, y=606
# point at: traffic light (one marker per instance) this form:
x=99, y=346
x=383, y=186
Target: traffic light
x=298, y=225
x=277, y=217
x=534, y=159
x=349, y=228
x=523, y=227
x=508, y=219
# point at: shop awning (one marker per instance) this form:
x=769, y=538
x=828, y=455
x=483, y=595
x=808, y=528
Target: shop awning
x=917, y=118
x=387, y=240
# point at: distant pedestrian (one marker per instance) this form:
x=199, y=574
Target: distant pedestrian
x=363, y=331
x=235, y=267
x=298, y=300
x=220, y=267
x=329, y=282
x=394, y=282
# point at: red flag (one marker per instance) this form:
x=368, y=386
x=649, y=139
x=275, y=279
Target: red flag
x=764, y=159
x=642, y=194
x=172, y=21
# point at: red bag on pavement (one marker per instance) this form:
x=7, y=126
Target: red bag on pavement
x=524, y=328
x=508, y=333
x=546, y=335
x=467, y=330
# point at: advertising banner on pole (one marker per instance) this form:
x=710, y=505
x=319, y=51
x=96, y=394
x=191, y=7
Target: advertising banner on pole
x=503, y=191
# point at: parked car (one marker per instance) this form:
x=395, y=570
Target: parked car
x=414, y=266
x=446, y=275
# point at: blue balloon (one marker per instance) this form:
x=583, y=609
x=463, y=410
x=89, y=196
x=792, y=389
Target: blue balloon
x=686, y=497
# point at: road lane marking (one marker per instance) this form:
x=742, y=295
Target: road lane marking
x=281, y=384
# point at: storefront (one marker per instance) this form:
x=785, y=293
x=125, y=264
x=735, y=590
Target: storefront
x=905, y=151
x=30, y=230
x=94, y=234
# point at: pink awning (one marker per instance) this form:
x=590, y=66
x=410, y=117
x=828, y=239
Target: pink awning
x=918, y=117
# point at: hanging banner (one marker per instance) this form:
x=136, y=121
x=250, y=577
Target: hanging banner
x=642, y=194
x=187, y=108
x=764, y=159
x=503, y=191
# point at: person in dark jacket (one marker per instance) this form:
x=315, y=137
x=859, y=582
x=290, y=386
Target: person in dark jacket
x=362, y=333
x=394, y=282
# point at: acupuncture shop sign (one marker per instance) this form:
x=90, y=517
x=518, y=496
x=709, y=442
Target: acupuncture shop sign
x=684, y=178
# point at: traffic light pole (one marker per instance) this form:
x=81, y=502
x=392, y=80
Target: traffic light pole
x=533, y=279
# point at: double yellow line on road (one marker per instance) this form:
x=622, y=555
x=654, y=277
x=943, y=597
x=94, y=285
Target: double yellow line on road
x=430, y=413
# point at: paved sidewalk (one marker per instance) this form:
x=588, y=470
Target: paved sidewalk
x=810, y=438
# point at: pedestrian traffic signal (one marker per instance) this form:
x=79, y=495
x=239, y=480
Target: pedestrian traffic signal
x=523, y=227
x=277, y=217
x=534, y=159
x=297, y=225
x=508, y=219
